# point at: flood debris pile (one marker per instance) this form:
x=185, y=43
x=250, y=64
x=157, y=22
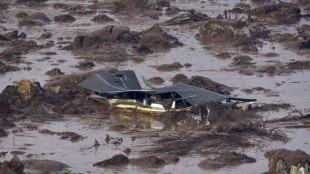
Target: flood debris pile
x=110, y=43
x=288, y=161
x=226, y=159
x=299, y=41
x=281, y=13
x=187, y=18
x=226, y=32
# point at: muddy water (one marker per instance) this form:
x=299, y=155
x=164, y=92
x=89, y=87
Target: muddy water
x=293, y=89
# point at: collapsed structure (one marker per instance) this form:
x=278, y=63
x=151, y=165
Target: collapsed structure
x=122, y=90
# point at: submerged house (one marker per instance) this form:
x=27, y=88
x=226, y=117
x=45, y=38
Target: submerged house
x=122, y=90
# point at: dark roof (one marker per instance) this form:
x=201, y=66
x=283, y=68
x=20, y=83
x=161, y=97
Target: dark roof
x=112, y=82
x=193, y=95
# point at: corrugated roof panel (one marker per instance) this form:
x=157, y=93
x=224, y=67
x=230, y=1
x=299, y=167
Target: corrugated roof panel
x=112, y=82
x=192, y=94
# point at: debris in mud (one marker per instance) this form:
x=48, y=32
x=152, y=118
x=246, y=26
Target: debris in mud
x=260, y=31
x=179, y=78
x=226, y=159
x=3, y=133
x=6, y=124
x=114, y=161
x=242, y=61
x=46, y=35
x=226, y=33
x=85, y=66
x=208, y=84
x=148, y=162
x=64, y=18
x=4, y=6
x=21, y=15
x=80, y=10
x=157, y=40
x=35, y=19
x=44, y=166
x=281, y=13
x=7, y=68
x=102, y=18
x=55, y=72
x=172, y=11
x=21, y=94
x=15, y=166
x=223, y=55
x=104, y=44
x=61, y=6
x=30, y=1
x=71, y=136
x=145, y=7
x=288, y=161
x=156, y=80
x=189, y=17
x=176, y=66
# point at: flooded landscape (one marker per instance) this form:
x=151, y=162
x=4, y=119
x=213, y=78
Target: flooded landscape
x=252, y=49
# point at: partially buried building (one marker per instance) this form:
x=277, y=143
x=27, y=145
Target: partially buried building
x=122, y=91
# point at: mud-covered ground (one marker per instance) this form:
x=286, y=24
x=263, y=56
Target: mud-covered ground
x=250, y=49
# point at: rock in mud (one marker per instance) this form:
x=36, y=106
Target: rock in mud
x=35, y=19
x=65, y=18
x=158, y=40
x=114, y=161
x=44, y=166
x=281, y=13
x=148, y=161
x=55, y=72
x=288, y=161
x=226, y=159
x=15, y=166
x=304, y=32
x=102, y=18
x=219, y=31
